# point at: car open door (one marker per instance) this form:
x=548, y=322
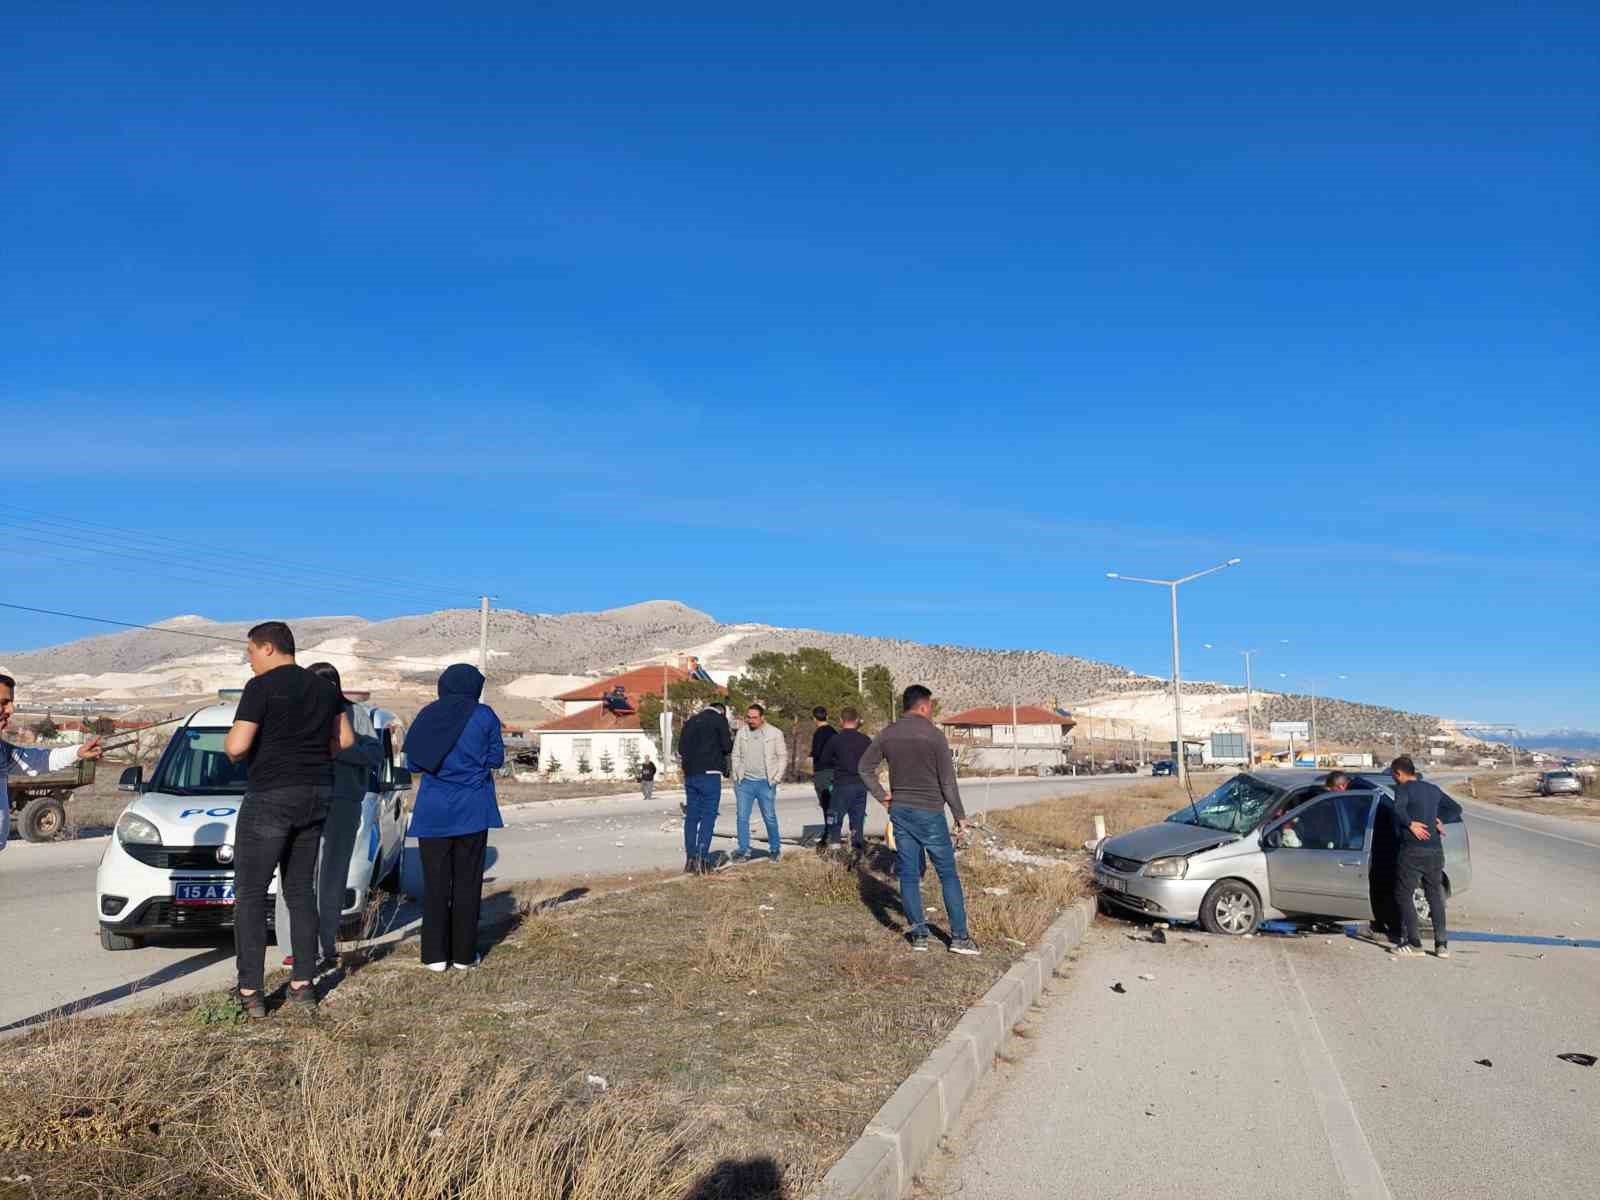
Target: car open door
x=1317, y=856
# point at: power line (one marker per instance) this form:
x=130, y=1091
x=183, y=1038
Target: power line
x=190, y=633
x=43, y=522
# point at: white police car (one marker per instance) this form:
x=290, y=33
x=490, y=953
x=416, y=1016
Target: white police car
x=168, y=867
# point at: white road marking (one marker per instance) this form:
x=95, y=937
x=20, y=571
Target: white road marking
x=1560, y=837
x=1347, y=1141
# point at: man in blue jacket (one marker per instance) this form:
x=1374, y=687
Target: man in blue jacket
x=703, y=747
x=29, y=760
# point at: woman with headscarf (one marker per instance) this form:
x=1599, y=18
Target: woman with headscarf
x=455, y=744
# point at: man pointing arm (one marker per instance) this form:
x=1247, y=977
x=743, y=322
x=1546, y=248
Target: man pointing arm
x=30, y=760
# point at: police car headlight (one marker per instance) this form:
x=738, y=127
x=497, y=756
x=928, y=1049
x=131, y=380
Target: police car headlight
x=1166, y=868
x=136, y=830
x=224, y=853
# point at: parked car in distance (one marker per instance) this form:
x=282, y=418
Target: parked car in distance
x=1272, y=844
x=1559, y=783
x=1165, y=767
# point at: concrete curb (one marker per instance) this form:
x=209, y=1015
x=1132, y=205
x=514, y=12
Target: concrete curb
x=899, y=1140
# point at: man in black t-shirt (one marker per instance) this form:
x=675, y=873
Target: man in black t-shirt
x=821, y=776
x=288, y=726
x=848, y=798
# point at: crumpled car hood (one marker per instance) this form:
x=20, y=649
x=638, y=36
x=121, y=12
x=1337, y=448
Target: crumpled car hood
x=1166, y=838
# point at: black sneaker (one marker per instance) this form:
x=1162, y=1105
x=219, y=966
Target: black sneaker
x=303, y=998
x=254, y=1005
x=691, y=866
x=740, y=856
x=965, y=946
x=919, y=942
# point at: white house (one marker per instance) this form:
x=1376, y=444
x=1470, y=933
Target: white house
x=983, y=738
x=600, y=733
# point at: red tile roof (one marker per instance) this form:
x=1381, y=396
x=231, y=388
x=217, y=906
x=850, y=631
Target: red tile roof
x=590, y=720
x=646, y=681
x=1000, y=714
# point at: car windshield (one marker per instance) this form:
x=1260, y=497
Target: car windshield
x=1235, y=807
x=194, y=765
x=1560, y=774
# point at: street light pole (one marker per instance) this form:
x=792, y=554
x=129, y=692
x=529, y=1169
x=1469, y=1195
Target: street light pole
x=1249, y=711
x=1177, y=671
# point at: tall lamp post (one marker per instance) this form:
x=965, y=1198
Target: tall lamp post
x=1172, y=586
x=1315, y=684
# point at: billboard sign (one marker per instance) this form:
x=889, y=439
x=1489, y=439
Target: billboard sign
x=1288, y=729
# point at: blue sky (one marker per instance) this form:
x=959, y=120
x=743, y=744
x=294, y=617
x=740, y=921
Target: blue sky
x=912, y=324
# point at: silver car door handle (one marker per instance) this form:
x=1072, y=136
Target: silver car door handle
x=1357, y=863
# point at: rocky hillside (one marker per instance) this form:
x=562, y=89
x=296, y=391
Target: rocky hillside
x=407, y=652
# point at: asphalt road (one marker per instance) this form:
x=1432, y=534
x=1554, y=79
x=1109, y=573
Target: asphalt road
x=50, y=942
x=1317, y=1066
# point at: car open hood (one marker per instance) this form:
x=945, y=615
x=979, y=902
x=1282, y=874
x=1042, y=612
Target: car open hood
x=1166, y=838
x=189, y=820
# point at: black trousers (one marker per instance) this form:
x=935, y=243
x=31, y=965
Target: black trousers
x=280, y=830
x=452, y=894
x=1424, y=865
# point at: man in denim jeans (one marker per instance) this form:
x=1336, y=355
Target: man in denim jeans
x=922, y=780
x=760, y=757
x=289, y=725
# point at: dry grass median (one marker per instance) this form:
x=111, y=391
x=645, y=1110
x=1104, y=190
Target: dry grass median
x=1064, y=823
x=745, y=1025
x=1515, y=789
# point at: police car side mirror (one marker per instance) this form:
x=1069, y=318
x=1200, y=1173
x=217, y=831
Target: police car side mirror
x=402, y=779
x=131, y=780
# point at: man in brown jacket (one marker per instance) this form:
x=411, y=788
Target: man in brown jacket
x=922, y=780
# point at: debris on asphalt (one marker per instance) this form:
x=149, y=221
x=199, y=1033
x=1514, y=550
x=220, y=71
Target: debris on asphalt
x=1148, y=978
x=997, y=891
x=1016, y=942
x=1119, y=989
x=1483, y=1062
x=1159, y=935
x=1578, y=1058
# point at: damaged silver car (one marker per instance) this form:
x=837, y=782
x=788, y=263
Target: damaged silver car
x=1273, y=844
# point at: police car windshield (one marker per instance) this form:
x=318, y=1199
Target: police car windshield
x=194, y=765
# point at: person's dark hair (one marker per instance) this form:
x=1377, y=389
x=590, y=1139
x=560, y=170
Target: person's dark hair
x=1403, y=763
x=329, y=672
x=1336, y=780
x=913, y=696
x=7, y=681
x=755, y=708
x=819, y=713
x=849, y=716
x=275, y=634
x=719, y=705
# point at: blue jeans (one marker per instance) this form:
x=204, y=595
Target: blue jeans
x=848, y=800
x=700, y=817
x=746, y=793
x=917, y=832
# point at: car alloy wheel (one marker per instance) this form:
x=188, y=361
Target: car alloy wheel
x=1230, y=908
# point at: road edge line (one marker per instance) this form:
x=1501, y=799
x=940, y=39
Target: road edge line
x=905, y=1133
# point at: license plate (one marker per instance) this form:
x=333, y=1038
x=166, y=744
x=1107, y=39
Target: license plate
x=202, y=893
x=1110, y=882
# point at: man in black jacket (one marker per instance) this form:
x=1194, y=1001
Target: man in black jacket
x=840, y=757
x=703, y=746
x=1421, y=834
x=821, y=776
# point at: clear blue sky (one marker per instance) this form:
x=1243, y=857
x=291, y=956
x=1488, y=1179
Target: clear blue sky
x=912, y=325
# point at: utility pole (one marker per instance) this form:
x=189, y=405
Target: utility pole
x=860, y=684
x=1014, y=770
x=1249, y=711
x=1316, y=753
x=483, y=635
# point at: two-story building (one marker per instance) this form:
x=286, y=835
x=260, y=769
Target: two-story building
x=600, y=725
x=995, y=737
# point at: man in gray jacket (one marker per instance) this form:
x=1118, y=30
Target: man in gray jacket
x=352, y=772
x=29, y=760
x=760, y=757
x=922, y=781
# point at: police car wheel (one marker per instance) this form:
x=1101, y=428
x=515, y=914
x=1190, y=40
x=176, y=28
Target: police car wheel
x=111, y=940
x=43, y=819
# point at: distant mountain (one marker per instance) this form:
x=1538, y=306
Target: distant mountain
x=534, y=656
x=1577, y=742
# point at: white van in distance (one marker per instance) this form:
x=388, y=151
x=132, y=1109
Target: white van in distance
x=168, y=867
